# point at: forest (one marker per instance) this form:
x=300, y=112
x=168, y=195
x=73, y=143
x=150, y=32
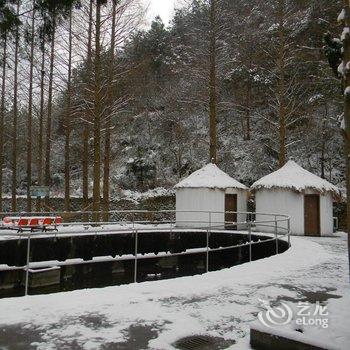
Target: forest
x=94, y=102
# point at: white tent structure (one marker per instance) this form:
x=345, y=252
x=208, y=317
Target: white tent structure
x=305, y=197
x=209, y=190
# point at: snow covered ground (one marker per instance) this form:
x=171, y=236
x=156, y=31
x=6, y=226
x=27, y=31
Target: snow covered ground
x=154, y=315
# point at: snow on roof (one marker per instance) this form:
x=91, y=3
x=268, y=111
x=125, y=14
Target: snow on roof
x=293, y=176
x=210, y=176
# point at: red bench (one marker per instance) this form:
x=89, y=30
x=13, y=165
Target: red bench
x=43, y=223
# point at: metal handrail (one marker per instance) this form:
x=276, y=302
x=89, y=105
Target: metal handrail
x=135, y=228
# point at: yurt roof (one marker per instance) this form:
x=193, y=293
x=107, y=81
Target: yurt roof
x=210, y=176
x=292, y=176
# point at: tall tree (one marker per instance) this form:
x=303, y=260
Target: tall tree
x=87, y=114
x=2, y=112
x=67, y=126
x=281, y=66
x=213, y=81
x=15, y=118
x=30, y=111
x=49, y=105
x=107, y=149
x=344, y=17
x=97, y=114
x=52, y=11
x=9, y=21
x=40, y=158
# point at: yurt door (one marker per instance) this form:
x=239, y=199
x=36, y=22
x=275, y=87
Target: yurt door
x=312, y=214
x=230, y=205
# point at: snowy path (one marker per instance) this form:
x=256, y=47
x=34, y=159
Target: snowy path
x=153, y=315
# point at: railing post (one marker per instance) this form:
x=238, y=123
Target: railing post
x=288, y=221
x=276, y=235
x=27, y=267
x=136, y=248
x=250, y=240
x=207, y=257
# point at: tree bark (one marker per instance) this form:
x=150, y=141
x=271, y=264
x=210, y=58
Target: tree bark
x=248, y=109
x=15, y=120
x=49, y=113
x=346, y=84
x=324, y=142
x=281, y=83
x=2, y=115
x=97, y=118
x=41, y=124
x=67, y=126
x=86, y=131
x=213, y=82
x=30, y=114
x=107, y=150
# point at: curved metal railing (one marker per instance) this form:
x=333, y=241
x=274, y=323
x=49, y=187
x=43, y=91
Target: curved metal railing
x=136, y=222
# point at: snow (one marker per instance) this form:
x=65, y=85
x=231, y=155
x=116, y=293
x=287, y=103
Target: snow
x=210, y=176
x=136, y=196
x=342, y=123
x=341, y=16
x=345, y=33
x=347, y=91
x=222, y=303
x=293, y=176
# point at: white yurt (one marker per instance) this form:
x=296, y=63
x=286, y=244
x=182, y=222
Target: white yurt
x=209, y=189
x=305, y=197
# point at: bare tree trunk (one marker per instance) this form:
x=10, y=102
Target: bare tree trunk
x=86, y=132
x=97, y=117
x=346, y=83
x=41, y=124
x=248, y=110
x=2, y=115
x=213, y=83
x=67, y=124
x=281, y=84
x=107, y=150
x=323, y=142
x=49, y=114
x=15, y=120
x=30, y=115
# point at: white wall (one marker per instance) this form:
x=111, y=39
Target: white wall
x=208, y=200
x=326, y=212
x=292, y=203
x=276, y=201
x=199, y=199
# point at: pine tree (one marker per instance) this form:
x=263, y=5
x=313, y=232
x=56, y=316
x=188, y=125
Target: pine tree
x=30, y=111
x=213, y=81
x=67, y=126
x=97, y=114
x=344, y=17
x=15, y=118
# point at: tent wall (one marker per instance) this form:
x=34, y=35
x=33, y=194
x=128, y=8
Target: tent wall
x=207, y=200
x=278, y=201
x=274, y=201
x=326, y=212
x=199, y=199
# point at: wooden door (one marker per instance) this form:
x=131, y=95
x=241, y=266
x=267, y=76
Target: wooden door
x=230, y=205
x=312, y=214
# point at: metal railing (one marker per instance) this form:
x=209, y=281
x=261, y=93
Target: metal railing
x=137, y=222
